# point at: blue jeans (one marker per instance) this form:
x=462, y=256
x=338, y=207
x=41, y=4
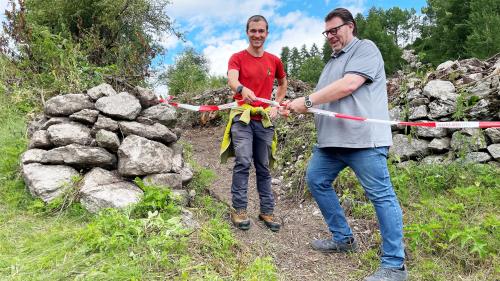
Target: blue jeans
x=251, y=142
x=370, y=167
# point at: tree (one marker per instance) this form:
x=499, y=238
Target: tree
x=188, y=75
x=310, y=70
x=285, y=57
x=314, y=52
x=109, y=32
x=294, y=62
x=398, y=23
x=304, y=54
x=327, y=51
x=484, y=21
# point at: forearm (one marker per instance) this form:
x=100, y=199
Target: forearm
x=232, y=80
x=337, y=89
x=281, y=91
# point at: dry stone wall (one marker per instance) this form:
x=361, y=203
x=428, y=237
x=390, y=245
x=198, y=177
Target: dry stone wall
x=106, y=139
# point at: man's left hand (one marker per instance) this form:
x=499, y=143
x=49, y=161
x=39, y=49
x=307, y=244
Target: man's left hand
x=297, y=105
x=273, y=113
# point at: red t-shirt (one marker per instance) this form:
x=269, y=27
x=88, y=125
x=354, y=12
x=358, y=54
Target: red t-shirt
x=257, y=73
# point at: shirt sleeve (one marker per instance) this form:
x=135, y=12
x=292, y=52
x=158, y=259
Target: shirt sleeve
x=366, y=61
x=280, y=70
x=234, y=63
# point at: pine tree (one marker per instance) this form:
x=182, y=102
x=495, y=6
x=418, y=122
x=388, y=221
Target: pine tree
x=484, y=22
x=285, y=58
x=294, y=62
x=314, y=52
x=327, y=51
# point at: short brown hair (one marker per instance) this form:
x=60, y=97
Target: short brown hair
x=256, y=18
x=344, y=15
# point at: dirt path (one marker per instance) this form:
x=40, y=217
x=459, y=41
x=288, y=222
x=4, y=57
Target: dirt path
x=301, y=222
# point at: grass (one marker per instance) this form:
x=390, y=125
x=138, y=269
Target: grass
x=146, y=242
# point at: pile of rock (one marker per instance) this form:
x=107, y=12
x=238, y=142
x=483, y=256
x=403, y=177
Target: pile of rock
x=468, y=90
x=102, y=140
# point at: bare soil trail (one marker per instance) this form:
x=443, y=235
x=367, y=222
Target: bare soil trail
x=301, y=221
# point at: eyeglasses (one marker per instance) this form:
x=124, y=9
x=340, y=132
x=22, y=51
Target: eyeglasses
x=334, y=30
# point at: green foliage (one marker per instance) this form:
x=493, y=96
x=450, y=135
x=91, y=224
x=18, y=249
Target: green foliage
x=327, y=51
x=261, y=269
x=156, y=199
x=285, y=58
x=217, y=238
x=310, y=70
x=375, y=27
x=456, y=29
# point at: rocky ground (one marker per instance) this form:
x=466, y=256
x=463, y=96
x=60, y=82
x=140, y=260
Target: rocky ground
x=301, y=221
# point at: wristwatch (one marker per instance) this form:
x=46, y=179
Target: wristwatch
x=239, y=89
x=307, y=102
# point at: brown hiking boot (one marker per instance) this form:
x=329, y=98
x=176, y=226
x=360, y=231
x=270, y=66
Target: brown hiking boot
x=240, y=219
x=270, y=222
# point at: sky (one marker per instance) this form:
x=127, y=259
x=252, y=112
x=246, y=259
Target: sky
x=216, y=28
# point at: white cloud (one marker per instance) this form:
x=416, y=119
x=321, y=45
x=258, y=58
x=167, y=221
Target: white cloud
x=354, y=6
x=306, y=31
x=3, y=7
x=218, y=54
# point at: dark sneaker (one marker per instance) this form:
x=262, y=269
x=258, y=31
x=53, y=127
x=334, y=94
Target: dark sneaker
x=240, y=219
x=330, y=246
x=388, y=274
x=270, y=222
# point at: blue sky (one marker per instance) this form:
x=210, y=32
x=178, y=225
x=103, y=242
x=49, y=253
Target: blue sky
x=216, y=28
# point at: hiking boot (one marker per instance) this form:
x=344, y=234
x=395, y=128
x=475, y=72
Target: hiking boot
x=270, y=222
x=388, y=274
x=331, y=246
x=240, y=219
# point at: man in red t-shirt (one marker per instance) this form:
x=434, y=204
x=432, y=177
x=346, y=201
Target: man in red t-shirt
x=251, y=74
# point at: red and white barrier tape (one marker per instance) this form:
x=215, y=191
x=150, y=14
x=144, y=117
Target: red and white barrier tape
x=454, y=124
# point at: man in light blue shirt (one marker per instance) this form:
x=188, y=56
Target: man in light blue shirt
x=353, y=82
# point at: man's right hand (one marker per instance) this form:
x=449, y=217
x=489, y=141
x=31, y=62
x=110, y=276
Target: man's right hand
x=248, y=95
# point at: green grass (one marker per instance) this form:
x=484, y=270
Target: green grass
x=147, y=242
x=451, y=218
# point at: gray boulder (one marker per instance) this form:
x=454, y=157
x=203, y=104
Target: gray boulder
x=177, y=160
x=122, y=106
x=404, y=148
x=157, y=131
x=431, y=132
x=102, y=189
x=181, y=197
x=105, y=123
x=68, y=133
x=161, y=113
x=146, y=97
x=48, y=181
x=440, y=145
x=102, y=90
x=439, y=89
x=138, y=156
x=65, y=105
x=436, y=159
x=171, y=180
x=439, y=109
x=186, y=174
x=80, y=156
x=88, y=116
x=477, y=157
x=494, y=150
x=54, y=121
x=108, y=140
x=465, y=141
x=40, y=139
x=418, y=112
x=493, y=134
x=34, y=155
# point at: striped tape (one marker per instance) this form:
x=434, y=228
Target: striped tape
x=432, y=124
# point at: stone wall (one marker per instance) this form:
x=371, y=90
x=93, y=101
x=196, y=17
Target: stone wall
x=106, y=139
x=457, y=90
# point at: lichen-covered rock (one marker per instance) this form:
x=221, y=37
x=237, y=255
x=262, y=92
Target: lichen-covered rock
x=66, y=105
x=48, y=181
x=138, y=156
x=80, y=156
x=494, y=150
x=104, y=189
x=68, y=133
x=102, y=90
x=146, y=97
x=122, y=106
x=171, y=180
x=34, y=155
x=157, y=131
x=40, y=139
x=105, y=123
x=88, y=116
x=161, y=113
x=405, y=148
x=108, y=140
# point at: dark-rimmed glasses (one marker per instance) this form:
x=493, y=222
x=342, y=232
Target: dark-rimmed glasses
x=333, y=31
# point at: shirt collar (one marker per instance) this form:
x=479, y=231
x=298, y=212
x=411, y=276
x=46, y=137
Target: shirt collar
x=346, y=48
